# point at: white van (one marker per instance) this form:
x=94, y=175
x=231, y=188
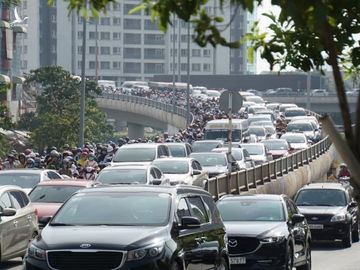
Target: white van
x=218, y=130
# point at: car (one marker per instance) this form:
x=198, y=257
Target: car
x=133, y=227
x=213, y=94
x=265, y=232
x=255, y=92
x=289, y=113
x=216, y=164
x=278, y=148
x=268, y=125
x=258, y=152
x=260, y=117
x=48, y=196
x=310, y=118
x=206, y=145
x=281, y=91
x=140, y=153
x=273, y=106
x=307, y=127
x=256, y=99
x=240, y=154
x=132, y=174
x=247, y=104
x=285, y=106
x=297, y=141
x=330, y=211
x=319, y=93
x=254, y=108
x=246, y=94
x=27, y=178
x=182, y=171
x=18, y=222
x=260, y=132
x=179, y=149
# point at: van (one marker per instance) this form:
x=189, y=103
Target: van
x=218, y=130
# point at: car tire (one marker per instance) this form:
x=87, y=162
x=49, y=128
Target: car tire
x=307, y=265
x=223, y=265
x=355, y=233
x=289, y=259
x=175, y=266
x=347, y=240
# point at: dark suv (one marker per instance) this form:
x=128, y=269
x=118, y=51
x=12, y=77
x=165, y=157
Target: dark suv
x=133, y=227
x=330, y=211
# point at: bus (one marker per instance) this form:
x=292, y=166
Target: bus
x=219, y=129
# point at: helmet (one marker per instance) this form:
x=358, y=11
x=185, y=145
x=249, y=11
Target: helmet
x=30, y=163
x=27, y=152
x=66, y=146
x=54, y=153
x=343, y=165
x=53, y=148
x=109, y=149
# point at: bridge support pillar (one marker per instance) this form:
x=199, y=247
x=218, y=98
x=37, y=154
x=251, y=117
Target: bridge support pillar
x=135, y=131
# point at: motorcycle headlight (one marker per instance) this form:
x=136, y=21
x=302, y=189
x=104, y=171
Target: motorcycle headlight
x=337, y=218
x=37, y=253
x=272, y=240
x=139, y=254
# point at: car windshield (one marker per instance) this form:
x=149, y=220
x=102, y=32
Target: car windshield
x=236, y=152
x=258, y=118
x=290, y=113
x=135, y=155
x=115, y=209
x=321, y=197
x=251, y=210
x=172, y=166
x=300, y=127
x=52, y=194
x=177, y=150
x=294, y=138
x=284, y=107
x=276, y=145
x=257, y=131
x=122, y=176
x=207, y=160
x=23, y=180
x=255, y=99
x=211, y=134
x=200, y=146
x=253, y=149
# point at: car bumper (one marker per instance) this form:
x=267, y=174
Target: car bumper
x=330, y=231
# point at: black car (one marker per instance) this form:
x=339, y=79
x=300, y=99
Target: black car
x=330, y=211
x=265, y=232
x=142, y=227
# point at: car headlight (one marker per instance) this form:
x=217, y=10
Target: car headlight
x=139, y=254
x=37, y=253
x=272, y=240
x=337, y=218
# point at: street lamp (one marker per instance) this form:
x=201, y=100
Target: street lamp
x=83, y=85
x=188, y=77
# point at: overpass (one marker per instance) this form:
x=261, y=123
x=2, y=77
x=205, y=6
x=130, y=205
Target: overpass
x=141, y=112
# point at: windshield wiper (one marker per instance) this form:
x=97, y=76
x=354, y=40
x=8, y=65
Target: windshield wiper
x=60, y=224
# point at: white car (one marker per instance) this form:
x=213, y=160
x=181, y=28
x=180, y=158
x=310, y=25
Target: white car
x=290, y=113
x=319, y=93
x=306, y=127
x=260, y=132
x=258, y=152
x=297, y=141
x=241, y=156
x=179, y=149
x=182, y=171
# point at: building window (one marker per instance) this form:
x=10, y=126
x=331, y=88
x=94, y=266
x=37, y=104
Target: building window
x=79, y=49
x=25, y=49
x=80, y=34
x=132, y=38
x=183, y=52
x=172, y=51
x=80, y=20
x=154, y=68
x=154, y=53
x=130, y=67
x=116, y=6
x=207, y=52
x=232, y=68
x=173, y=38
x=24, y=4
x=149, y=25
x=105, y=65
x=196, y=67
x=207, y=67
x=116, y=35
x=117, y=65
x=92, y=50
x=232, y=53
x=183, y=67
x=79, y=64
x=53, y=48
x=132, y=53
x=92, y=65
x=196, y=53
x=128, y=7
x=184, y=38
x=105, y=21
x=105, y=35
x=116, y=21
x=171, y=66
x=132, y=24
x=105, y=50
x=24, y=64
x=53, y=18
x=154, y=39
x=93, y=35
x=116, y=50
x=53, y=34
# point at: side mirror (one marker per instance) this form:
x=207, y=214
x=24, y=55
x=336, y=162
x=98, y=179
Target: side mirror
x=297, y=218
x=188, y=222
x=196, y=172
x=43, y=221
x=7, y=212
x=156, y=182
x=352, y=204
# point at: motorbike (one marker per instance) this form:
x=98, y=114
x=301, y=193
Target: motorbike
x=89, y=173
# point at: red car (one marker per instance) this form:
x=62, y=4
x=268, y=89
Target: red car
x=48, y=196
x=277, y=147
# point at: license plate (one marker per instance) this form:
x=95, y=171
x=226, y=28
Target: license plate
x=316, y=226
x=237, y=260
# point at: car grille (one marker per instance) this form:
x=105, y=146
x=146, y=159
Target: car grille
x=77, y=260
x=316, y=218
x=243, y=245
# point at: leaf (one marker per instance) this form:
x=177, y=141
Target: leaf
x=137, y=9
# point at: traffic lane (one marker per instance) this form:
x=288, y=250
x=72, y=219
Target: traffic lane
x=332, y=256
x=15, y=264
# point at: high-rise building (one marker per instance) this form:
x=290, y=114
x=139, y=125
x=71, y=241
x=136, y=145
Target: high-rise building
x=126, y=47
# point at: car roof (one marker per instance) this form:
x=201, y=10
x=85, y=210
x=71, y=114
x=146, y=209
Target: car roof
x=65, y=182
x=252, y=144
x=270, y=197
x=175, y=143
x=300, y=122
x=287, y=134
x=174, y=159
x=127, y=167
x=10, y=187
x=206, y=153
x=274, y=140
x=140, y=145
x=20, y=171
x=207, y=141
x=324, y=186
x=294, y=109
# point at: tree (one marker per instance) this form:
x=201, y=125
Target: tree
x=56, y=121
x=5, y=121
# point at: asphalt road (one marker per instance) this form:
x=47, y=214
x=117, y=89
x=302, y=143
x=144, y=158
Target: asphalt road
x=325, y=256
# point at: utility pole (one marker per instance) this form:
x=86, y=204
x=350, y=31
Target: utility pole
x=83, y=85
x=188, y=76
x=308, y=86
x=173, y=63
x=179, y=48
x=97, y=51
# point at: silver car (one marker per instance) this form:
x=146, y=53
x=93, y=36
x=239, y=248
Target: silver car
x=18, y=222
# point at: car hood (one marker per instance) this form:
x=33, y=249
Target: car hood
x=176, y=177
x=46, y=209
x=278, y=152
x=297, y=146
x=99, y=237
x=215, y=169
x=327, y=210
x=143, y=163
x=258, y=157
x=254, y=228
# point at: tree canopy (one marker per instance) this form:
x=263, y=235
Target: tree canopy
x=56, y=120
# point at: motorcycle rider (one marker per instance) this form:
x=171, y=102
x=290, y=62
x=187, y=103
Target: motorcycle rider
x=11, y=162
x=344, y=171
x=22, y=161
x=54, y=161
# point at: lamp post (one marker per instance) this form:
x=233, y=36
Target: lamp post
x=83, y=85
x=188, y=77
x=173, y=64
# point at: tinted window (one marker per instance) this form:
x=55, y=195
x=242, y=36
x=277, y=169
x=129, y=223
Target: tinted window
x=157, y=173
x=300, y=127
x=251, y=210
x=183, y=209
x=5, y=201
x=172, y=166
x=321, y=197
x=257, y=131
x=17, y=199
x=276, y=145
x=290, y=113
x=253, y=149
x=135, y=155
x=177, y=150
x=210, y=159
x=122, y=176
x=53, y=194
x=53, y=175
x=23, y=180
x=294, y=138
x=122, y=209
x=197, y=209
x=25, y=198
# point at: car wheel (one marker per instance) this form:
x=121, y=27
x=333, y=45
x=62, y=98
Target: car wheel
x=355, y=233
x=347, y=240
x=223, y=265
x=289, y=259
x=175, y=266
x=307, y=265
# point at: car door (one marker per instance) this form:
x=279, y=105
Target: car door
x=189, y=149
x=189, y=240
x=199, y=179
x=8, y=228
